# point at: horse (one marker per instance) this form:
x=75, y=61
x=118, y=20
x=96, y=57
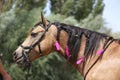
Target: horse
x=95, y=55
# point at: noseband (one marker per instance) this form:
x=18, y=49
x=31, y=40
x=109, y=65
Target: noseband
x=27, y=49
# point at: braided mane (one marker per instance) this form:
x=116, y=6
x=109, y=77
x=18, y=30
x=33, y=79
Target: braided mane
x=75, y=33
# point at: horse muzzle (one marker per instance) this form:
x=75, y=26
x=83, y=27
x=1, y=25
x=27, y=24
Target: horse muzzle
x=21, y=58
x=17, y=58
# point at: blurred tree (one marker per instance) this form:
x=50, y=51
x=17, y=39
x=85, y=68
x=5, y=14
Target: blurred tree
x=105, y=30
x=116, y=35
x=6, y=23
x=5, y=5
x=18, y=5
x=30, y=4
x=78, y=8
x=99, y=7
x=92, y=23
x=96, y=23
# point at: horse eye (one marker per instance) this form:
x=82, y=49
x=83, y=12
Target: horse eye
x=34, y=34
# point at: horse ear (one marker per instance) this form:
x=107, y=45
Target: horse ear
x=44, y=21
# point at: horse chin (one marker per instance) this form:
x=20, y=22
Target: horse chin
x=20, y=61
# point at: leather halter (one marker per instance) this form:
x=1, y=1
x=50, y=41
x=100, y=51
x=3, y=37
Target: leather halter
x=27, y=49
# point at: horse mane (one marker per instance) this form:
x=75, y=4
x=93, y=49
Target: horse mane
x=75, y=34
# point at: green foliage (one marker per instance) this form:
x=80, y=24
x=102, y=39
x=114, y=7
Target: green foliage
x=80, y=9
x=6, y=33
x=56, y=17
x=61, y=18
x=116, y=35
x=105, y=30
x=22, y=4
x=6, y=5
x=15, y=71
x=95, y=23
x=99, y=7
x=71, y=21
x=60, y=70
x=84, y=9
x=29, y=4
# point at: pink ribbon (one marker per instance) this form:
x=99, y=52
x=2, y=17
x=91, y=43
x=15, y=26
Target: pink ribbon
x=57, y=46
x=80, y=60
x=100, y=52
x=67, y=51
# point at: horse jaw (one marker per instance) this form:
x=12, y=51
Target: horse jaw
x=34, y=56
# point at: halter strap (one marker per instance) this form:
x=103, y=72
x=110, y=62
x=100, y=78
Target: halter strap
x=29, y=48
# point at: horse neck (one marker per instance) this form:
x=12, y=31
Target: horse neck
x=89, y=60
x=63, y=42
x=63, y=39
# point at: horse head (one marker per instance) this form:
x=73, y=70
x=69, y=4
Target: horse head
x=39, y=42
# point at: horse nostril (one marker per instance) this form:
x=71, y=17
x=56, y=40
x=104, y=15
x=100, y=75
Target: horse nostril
x=14, y=53
x=15, y=56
